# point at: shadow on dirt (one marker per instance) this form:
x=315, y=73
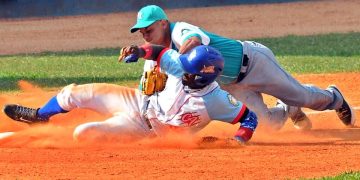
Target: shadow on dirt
x=340, y=137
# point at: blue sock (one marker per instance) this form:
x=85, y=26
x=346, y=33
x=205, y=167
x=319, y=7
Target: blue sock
x=50, y=108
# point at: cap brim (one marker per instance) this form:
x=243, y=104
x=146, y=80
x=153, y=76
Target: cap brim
x=140, y=25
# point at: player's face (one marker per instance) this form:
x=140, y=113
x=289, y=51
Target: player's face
x=154, y=34
x=190, y=81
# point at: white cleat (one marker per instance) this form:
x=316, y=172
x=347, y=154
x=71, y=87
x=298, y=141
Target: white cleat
x=297, y=116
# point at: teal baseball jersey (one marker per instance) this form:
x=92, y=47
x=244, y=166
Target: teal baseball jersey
x=231, y=50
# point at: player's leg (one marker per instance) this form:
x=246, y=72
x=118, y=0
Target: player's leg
x=298, y=117
x=272, y=80
x=103, y=98
x=273, y=117
x=266, y=75
x=122, y=127
x=33, y=115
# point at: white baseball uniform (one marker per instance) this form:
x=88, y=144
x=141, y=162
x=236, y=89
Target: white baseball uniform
x=174, y=108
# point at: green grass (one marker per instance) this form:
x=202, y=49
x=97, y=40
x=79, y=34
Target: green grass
x=89, y=52
x=59, y=70
x=297, y=54
x=333, y=44
x=319, y=64
x=344, y=176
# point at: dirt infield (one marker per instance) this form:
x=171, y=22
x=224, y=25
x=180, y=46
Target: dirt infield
x=241, y=22
x=48, y=151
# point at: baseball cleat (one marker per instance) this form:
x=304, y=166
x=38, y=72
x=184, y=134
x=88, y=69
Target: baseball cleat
x=23, y=114
x=297, y=116
x=301, y=121
x=345, y=112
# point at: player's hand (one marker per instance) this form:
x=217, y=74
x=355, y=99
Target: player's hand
x=129, y=54
x=189, y=44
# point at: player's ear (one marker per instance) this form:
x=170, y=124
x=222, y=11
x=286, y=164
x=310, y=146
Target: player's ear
x=164, y=24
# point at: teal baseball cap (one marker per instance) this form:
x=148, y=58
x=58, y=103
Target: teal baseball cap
x=148, y=15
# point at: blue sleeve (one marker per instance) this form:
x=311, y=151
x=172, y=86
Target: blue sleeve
x=171, y=64
x=223, y=106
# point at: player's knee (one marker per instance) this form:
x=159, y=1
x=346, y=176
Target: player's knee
x=87, y=133
x=73, y=95
x=80, y=132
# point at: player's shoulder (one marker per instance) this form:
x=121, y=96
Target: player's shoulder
x=183, y=25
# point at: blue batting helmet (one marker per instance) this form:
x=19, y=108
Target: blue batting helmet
x=204, y=63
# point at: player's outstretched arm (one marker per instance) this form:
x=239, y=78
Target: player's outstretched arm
x=132, y=53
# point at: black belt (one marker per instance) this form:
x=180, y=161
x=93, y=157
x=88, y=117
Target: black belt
x=148, y=123
x=144, y=108
x=243, y=68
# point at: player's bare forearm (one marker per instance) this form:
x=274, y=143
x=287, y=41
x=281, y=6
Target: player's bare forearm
x=189, y=44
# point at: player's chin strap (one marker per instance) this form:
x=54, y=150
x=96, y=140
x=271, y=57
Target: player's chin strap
x=187, y=89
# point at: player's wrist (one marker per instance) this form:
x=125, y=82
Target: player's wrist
x=146, y=51
x=151, y=51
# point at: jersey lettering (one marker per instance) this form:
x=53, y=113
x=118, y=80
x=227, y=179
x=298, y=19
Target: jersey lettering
x=190, y=119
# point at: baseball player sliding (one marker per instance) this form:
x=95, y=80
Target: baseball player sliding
x=250, y=69
x=189, y=101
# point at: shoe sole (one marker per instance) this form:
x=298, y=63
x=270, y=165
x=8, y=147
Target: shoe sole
x=353, y=119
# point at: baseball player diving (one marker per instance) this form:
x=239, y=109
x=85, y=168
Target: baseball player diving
x=250, y=69
x=189, y=101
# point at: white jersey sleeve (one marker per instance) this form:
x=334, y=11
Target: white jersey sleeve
x=182, y=31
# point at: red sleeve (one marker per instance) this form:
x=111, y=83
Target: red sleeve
x=160, y=55
x=243, y=112
x=148, y=50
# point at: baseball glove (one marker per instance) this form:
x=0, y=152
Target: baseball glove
x=153, y=81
